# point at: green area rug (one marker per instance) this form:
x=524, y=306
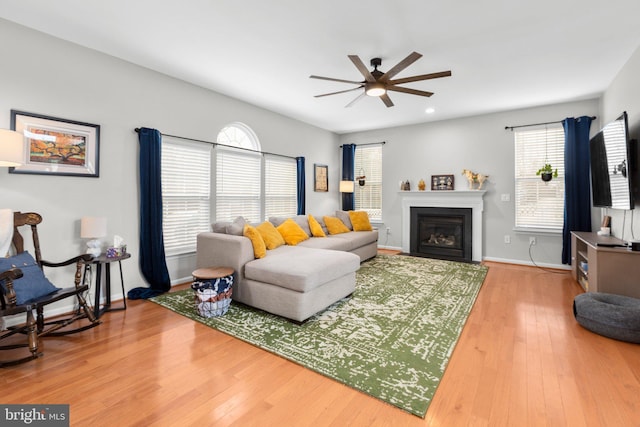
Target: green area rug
x=391, y=339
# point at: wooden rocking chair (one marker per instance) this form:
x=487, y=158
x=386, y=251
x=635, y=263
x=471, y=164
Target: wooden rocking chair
x=29, y=328
x=10, y=303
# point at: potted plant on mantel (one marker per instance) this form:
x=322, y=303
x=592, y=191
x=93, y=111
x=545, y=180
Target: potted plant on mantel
x=547, y=172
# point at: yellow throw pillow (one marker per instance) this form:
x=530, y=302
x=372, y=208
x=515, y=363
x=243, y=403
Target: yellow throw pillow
x=259, y=248
x=316, y=228
x=360, y=221
x=291, y=232
x=272, y=239
x=334, y=225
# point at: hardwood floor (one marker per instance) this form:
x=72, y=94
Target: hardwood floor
x=521, y=360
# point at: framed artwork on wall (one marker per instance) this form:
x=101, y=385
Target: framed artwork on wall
x=54, y=146
x=320, y=178
x=441, y=182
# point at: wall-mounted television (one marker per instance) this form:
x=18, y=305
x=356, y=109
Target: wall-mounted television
x=613, y=166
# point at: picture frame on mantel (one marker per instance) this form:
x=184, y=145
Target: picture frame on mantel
x=55, y=146
x=442, y=182
x=320, y=178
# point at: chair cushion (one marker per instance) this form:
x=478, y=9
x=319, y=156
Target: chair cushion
x=32, y=284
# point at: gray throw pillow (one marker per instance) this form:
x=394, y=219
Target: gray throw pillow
x=344, y=217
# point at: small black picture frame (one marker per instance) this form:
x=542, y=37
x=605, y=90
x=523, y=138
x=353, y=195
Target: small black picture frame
x=320, y=178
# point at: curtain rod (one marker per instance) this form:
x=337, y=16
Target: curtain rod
x=538, y=124
x=371, y=143
x=223, y=145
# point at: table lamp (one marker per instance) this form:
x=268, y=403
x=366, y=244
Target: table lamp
x=93, y=227
x=346, y=186
x=11, y=148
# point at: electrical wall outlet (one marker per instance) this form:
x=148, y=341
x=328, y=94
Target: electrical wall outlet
x=532, y=241
x=388, y=230
x=507, y=238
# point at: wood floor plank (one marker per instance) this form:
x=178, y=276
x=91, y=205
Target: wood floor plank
x=521, y=360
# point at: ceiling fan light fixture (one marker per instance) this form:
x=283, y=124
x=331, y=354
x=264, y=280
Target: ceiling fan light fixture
x=375, y=89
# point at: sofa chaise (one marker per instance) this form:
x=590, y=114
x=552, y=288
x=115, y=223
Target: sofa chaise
x=296, y=279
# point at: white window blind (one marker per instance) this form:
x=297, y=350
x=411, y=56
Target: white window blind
x=186, y=193
x=280, y=186
x=539, y=204
x=238, y=182
x=368, y=162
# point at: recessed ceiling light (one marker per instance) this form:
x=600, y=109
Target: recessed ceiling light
x=430, y=110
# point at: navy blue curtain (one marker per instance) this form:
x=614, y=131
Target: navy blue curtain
x=348, y=165
x=152, y=258
x=301, y=193
x=577, y=185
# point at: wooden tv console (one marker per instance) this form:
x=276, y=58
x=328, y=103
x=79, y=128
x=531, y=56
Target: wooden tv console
x=611, y=267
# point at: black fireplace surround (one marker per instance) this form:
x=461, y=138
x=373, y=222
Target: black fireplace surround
x=443, y=233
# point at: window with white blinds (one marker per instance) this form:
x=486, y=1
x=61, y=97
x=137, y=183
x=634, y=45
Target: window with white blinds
x=368, y=162
x=238, y=184
x=539, y=205
x=186, y=193
x=280, y=186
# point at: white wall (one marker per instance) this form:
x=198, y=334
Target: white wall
x=45, y=75
x=480, y=144
x=623, y=94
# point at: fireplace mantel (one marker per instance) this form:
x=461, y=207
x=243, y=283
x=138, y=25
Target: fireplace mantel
x=445, y=199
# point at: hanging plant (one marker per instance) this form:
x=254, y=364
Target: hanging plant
x=361, y=178
x=547, y=172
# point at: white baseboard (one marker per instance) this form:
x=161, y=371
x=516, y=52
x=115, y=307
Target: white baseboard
x=528, y=263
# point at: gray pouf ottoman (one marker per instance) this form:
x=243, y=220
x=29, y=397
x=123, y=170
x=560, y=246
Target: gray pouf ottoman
x=613, y=316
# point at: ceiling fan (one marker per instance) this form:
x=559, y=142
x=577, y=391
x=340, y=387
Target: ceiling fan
x=378, y=83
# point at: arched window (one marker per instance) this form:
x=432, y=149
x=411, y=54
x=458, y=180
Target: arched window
x=249, y=183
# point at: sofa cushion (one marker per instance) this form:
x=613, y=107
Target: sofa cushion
x=356, y=239
x=272, y=239
x=360, y=221
x=301, y=269
x=291, y=232
x=335, y=225
x=344, y=217
x=328, y=242
x=315, y=227
x=301, y=220
x=235, y=228
x=259, y=247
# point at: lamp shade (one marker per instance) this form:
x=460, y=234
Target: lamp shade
x=11, y=148
x=93, y=226
x=346, y=186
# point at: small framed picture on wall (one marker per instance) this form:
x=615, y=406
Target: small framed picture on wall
x=320, y=178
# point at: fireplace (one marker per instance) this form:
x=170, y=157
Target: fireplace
x=471, y=199
x=443, y=233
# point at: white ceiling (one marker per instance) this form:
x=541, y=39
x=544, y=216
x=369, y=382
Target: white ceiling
x=503, y=54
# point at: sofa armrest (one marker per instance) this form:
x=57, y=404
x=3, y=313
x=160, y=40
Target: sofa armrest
x=224, y=250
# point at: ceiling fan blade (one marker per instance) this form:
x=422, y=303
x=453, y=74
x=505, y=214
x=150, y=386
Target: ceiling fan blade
x=362, y=68
x=358, y=98
x=410, y=91
x=341, y=91
x=387, y=101
x=420, y=77
x=413, y=57
x=335, y=80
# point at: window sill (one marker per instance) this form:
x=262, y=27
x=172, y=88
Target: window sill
x=533, y=230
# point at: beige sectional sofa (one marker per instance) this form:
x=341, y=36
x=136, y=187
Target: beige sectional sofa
x=295, y=282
